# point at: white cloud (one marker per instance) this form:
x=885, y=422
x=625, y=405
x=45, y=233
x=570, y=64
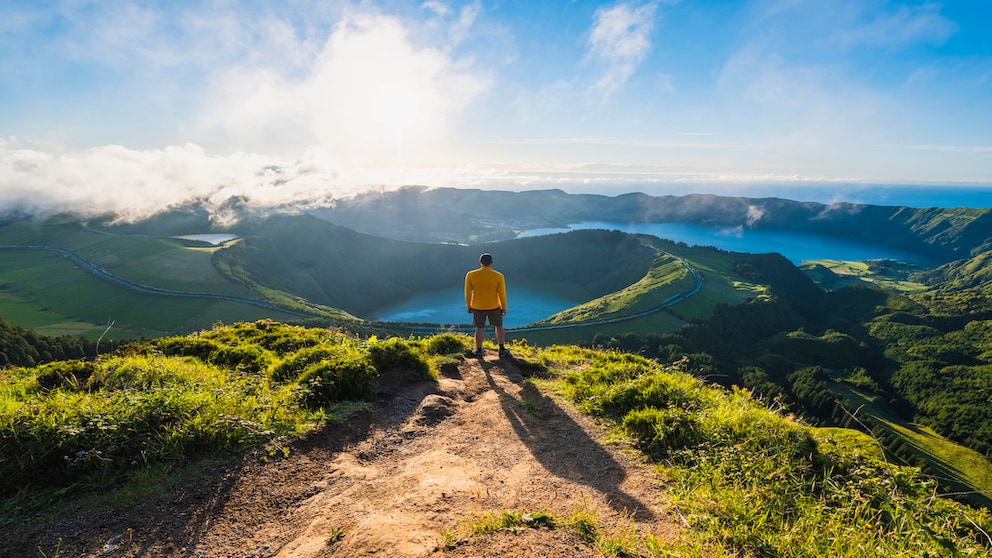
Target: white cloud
x=370, y=95
x=754, y=214
x=619, y=42
x=137, y=183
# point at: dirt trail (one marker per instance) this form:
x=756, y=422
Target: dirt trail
x=393, y=479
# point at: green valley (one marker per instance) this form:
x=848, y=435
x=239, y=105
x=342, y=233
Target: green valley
x=897, y=351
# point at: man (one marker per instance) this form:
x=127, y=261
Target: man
x=485, y=297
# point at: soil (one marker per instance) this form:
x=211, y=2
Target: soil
x=421, y=462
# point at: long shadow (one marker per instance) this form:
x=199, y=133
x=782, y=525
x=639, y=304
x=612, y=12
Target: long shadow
x=537, y=419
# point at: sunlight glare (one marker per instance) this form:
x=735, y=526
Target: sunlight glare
x=394, y=109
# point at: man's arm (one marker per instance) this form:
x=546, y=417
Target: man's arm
x=502, y=295
x=468, y=294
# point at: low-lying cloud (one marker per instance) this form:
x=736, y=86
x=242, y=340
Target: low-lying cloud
x=138, y=183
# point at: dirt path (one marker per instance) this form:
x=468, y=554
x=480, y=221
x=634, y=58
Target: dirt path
x=424, y=459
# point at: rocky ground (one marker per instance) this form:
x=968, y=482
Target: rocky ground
x=393, y=480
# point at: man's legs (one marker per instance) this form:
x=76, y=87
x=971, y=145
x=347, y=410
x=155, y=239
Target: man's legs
x=480, y=335
x=500, y=335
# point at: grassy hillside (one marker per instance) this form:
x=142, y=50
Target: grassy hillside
x=923, y=361
x=47, y=291
x=745, y=480
x=836, y=274
x=968, y=273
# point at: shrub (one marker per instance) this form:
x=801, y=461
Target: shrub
x=194, y=346
x=660, y=431
x=338, y=380
x=397, y=355
x=290, y=368
x=68, y=374
x=657, y=389
x=446, y=344
x=249, y=357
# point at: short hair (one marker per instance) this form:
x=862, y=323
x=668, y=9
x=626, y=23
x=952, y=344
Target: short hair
x=486, y=259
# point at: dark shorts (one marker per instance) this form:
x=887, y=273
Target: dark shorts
x=495, y=317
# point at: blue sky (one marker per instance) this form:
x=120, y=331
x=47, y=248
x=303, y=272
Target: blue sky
x=135, y=105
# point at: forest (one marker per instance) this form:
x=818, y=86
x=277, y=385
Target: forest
x=927, y=357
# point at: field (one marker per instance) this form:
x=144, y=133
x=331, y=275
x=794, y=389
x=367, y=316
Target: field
x=47, y=292
x=888, y=275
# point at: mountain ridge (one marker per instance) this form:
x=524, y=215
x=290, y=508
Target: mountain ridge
x=433, y=214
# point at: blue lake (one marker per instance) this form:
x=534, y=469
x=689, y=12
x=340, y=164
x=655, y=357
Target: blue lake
x=795, y=246
x=527, y=302
x=532, y=301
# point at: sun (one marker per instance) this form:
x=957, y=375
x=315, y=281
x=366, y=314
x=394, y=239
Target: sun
x=396, y=111
x=376, y=97
x=395, y=108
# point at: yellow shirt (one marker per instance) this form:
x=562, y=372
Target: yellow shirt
x=485, y=289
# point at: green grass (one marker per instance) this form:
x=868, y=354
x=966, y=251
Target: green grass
x=47, y=292
x=161, y=262
x=666, y=277
x=173, y=266
x=721, y=285
x=745, y=480
x=956, y=466
x=751, y=482
x=844, y=273
x=73, y=427
x=583, y=523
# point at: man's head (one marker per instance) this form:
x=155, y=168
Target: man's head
x=486, y=259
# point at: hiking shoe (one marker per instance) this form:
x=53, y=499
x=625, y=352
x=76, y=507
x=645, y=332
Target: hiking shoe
x=503, y=353
x=476, y=353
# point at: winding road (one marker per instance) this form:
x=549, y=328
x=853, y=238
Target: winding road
x=128, y=284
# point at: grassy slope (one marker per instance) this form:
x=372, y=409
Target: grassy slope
x=958, y=467
x=836, y=274
x=154, y=261
x=721, y=285
x=745, y=480
x=44, y=291
x=48, y=293
x=667, y=277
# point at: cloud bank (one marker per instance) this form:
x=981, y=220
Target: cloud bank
x=138, y=183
